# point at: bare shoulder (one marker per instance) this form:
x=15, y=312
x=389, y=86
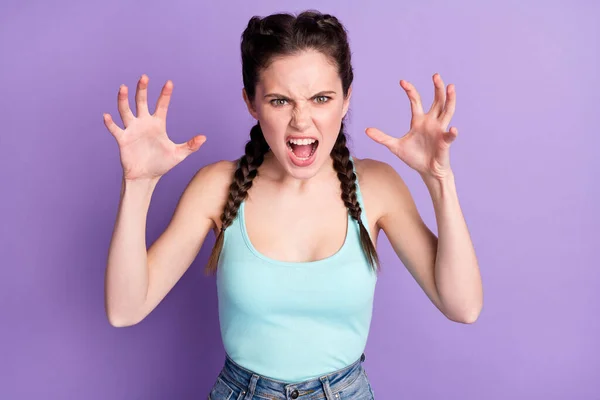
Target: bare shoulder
x=381, y=186
x=210, y=187
x=213, y=174
x=370, y=167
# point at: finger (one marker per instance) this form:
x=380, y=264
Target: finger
x=413, y=96
x=450, y=106
x=141, y=96
x=162, y=103
x=123, y=105
x=112, y=127
x=192, y=145
x=451, y=135
x=440, y=96
x=381, y=137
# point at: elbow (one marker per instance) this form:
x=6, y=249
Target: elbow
x=470, y=319
x=467, y=313
x=466, y=318
x=121, y=321
x=120, y=315
x=118, y=323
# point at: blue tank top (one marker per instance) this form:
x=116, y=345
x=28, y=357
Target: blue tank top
x=294, y=321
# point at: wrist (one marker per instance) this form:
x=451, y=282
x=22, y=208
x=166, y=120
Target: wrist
x=143, y=184
x=439, y=185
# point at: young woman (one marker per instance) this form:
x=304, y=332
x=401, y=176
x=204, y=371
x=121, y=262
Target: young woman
x=296, y=267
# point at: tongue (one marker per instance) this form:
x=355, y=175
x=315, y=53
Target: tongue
x=302, y=150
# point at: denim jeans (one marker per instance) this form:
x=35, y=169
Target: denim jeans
x=237, y=383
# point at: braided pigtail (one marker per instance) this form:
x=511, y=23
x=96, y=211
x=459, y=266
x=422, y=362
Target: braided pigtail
x=344, y=168
x=247, y=170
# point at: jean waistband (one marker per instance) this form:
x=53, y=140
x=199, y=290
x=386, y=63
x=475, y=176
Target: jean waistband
x=248, y=380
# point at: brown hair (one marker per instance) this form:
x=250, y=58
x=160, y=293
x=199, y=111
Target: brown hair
x=279, y=35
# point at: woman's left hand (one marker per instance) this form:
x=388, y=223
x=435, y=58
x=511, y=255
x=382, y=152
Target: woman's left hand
x=426, y=146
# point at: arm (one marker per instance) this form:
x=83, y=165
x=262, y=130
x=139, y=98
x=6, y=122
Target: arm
x=126, y=275
x=445, y=268
x=457, y=275
x=137, y=280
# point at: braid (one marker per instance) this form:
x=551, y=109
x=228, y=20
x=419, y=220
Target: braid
x=247, y=170
x=345, y=172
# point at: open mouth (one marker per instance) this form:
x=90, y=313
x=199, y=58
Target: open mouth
x=302, y=149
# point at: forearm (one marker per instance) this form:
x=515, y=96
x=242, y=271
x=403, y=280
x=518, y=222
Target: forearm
x=457, y=274
x=126, y=280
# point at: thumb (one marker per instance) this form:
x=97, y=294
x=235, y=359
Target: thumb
x=380, y=137
x=192, y=145
x=450, y=135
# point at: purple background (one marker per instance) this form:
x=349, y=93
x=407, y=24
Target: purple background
x=525, y=161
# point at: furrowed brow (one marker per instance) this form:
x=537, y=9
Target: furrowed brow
x=281, y=96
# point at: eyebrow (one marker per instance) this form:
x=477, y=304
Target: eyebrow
x=278, y=95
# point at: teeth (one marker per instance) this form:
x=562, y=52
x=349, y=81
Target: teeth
x=302, y=141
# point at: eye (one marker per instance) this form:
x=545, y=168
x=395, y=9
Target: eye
x=275, y=102
x=322, y=99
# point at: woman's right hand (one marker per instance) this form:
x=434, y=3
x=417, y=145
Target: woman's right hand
x=146, y=150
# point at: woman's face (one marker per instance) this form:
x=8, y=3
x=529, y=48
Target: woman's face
x=299, y=99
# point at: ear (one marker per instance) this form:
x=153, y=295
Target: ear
x=249, y=104
x=346, y=104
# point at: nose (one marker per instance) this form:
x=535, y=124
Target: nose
x=301, y=119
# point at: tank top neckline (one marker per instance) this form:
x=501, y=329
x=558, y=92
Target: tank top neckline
x=319, y=262
x=270, y=260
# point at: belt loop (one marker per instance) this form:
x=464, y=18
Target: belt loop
x=327, y=388
x=251, y=387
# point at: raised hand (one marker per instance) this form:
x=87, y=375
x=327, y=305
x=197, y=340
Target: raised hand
x=426, y=146
x=145, y=148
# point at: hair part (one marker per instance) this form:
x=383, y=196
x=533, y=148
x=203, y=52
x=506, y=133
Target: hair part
x=263, y=40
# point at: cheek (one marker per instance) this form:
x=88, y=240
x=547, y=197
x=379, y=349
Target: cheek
x=274, y=126
x=328, y=123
